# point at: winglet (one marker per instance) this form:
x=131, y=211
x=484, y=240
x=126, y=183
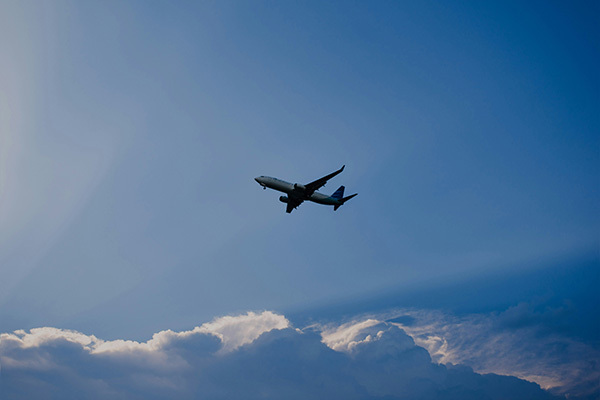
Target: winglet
x=319, y=183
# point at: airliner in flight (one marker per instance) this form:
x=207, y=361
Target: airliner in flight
x=297, y=193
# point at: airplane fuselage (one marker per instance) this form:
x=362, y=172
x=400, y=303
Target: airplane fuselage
x=298, y=193
x=295, y=191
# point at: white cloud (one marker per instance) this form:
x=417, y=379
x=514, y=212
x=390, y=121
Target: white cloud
x=345, y=336
x=255, y=355
x=488, y=344
x=238, y=331
x=232, y=331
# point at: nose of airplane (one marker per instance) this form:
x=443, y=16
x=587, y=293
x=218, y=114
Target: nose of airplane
x=259, y=179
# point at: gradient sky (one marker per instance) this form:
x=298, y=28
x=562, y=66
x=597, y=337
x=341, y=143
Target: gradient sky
x=130, y=134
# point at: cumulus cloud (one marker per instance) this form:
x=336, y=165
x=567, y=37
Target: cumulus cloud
x=237, y=331
x=255, y=355
x=345, y=336
x=515, y=342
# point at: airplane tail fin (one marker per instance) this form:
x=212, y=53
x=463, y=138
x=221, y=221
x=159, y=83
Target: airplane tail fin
x=338, y=194
x=343, y=200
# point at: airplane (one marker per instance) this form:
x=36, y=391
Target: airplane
x=297, y=193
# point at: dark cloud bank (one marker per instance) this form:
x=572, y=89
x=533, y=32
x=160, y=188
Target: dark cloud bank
x=256, y=356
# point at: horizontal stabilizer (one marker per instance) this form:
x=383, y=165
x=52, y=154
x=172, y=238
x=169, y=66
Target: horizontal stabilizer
x=345, y=199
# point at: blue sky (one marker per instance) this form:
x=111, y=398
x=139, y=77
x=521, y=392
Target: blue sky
x=130, y=134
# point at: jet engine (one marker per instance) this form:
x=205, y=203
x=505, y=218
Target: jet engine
x=284, y=199
x=298, y=186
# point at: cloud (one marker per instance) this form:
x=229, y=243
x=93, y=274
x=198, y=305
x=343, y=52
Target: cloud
x=521, y=341
x=237, y=331
x=344, y=337
x=255, y=355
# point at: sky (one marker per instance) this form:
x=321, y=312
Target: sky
x=130, y=134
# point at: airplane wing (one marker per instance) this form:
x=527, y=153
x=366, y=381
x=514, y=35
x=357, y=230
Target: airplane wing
x=291, y=204
x=319, y=183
